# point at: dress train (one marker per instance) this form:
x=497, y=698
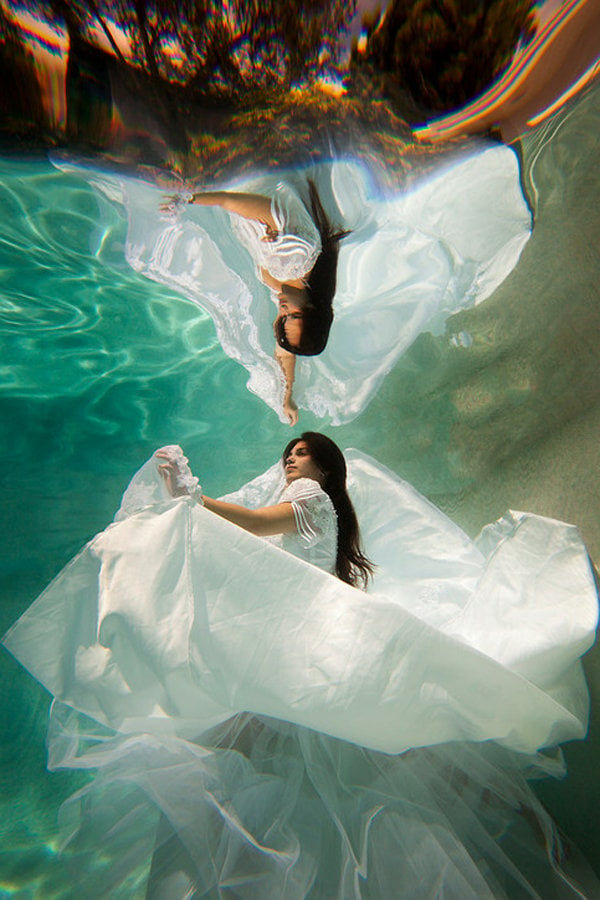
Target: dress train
x=257, y=728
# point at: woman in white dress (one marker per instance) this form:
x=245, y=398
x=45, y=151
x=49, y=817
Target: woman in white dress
x=260, y=728
x=296, y=252
x=409, y=260
x=314, y=518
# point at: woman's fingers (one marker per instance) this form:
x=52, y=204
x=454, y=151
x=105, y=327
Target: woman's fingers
x=291, y=411
x=169, y=452
x=169, y=203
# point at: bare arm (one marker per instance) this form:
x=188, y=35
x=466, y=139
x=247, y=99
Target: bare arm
x=249, y=206
x=277, y=519
x=267, y=278
x=287, y=361
x=267, y=520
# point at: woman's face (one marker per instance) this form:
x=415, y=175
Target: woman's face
x=300, y=464
x=292, y=301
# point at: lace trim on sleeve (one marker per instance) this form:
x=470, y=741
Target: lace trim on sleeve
x=313, y=510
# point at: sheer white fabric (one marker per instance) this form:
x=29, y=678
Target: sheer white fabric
x=390, y=733
x=185, y=482
x=410, y=260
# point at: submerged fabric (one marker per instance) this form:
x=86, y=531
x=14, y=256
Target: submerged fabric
x=409, y=261
x=172, y=626
x=172, y=620
x=262, y=809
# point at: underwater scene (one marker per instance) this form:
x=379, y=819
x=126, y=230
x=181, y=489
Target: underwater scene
x=147, y=302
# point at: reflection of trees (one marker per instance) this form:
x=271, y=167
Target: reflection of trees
x=21, y=103
x=186, y=53
x=244, y=45
x=445, y=52
x=213, y=47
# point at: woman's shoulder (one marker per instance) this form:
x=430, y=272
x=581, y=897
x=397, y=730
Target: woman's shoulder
x=303, y=489
x=314, y=512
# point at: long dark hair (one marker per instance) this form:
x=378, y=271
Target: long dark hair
x=352, y=566
x=320, y=286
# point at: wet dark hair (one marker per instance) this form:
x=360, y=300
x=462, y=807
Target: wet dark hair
x=320, y=287
x=352, y=566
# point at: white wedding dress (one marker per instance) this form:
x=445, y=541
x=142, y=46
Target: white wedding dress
x=410, y=260
x=259, y=729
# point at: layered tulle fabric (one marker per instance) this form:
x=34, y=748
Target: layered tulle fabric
x=410, y=260
x=264, y=809
x=260, y=729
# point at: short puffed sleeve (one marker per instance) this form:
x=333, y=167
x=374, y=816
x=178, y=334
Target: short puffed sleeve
x=294, y=251
x=313, y=510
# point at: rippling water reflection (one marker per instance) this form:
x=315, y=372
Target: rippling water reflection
x=100, y=366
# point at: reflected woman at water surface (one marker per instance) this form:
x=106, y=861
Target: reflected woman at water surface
x=296, y=251
x=408, y=260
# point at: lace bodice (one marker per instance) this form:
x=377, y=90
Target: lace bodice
x=294, y=250
x=316, y=537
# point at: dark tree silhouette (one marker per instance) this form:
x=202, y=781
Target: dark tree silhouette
x=187, y=67
x=211, y=46
x=21, y=106
x=446, y=52
x=238, y=47
x=186, y=52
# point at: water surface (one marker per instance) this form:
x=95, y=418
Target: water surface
x=100, y=366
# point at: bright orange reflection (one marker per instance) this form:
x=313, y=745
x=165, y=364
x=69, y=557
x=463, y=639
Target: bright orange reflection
x=560, y=60
x=49, y=45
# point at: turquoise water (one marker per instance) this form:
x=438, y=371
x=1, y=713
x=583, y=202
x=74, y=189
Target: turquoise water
x=100, y=366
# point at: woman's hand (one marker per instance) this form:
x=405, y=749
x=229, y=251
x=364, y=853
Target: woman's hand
x=170, y=204
x=290, y=408
x=168, y=472
x=176, y=473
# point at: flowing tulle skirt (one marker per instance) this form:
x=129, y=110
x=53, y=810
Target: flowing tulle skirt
x=259, y=729
x=268, y=809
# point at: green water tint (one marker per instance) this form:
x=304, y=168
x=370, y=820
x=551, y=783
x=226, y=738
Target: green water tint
x=100, y=366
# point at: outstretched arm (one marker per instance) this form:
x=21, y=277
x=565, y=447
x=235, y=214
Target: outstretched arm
x=277, y=519
x=249, y=206
x=287, y=361
x=267, y=520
